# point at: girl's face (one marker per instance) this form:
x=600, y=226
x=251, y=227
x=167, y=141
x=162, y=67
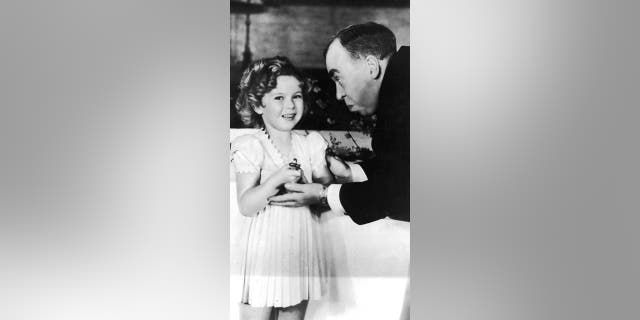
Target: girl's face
x=282, y=107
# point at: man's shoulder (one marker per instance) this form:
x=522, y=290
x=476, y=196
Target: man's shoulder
x=397, y=79
x=402, y=56
x=395, y=90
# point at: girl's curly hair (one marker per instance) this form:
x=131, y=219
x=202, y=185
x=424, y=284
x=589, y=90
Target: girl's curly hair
x=260, y=78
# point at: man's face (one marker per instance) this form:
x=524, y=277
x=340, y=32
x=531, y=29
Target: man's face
x=353, y=79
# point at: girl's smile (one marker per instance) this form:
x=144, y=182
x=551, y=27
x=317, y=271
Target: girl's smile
x=289, y=116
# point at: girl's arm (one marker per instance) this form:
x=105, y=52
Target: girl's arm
x=318, y=145
x=252, y=196
x=321, y=174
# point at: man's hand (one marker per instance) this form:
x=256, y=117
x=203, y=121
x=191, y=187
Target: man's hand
x=340, y=170
x=299, y=195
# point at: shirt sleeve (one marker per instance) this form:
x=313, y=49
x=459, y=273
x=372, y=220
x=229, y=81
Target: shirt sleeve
x=333, y=198
x=246, y=154
x=333, y=191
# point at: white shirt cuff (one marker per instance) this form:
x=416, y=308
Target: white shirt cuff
x=357, y=173
x=333, y=198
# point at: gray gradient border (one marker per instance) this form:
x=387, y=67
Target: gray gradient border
x=115, y=160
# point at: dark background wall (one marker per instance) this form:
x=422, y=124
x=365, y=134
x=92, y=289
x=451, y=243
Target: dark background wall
x=301, y=32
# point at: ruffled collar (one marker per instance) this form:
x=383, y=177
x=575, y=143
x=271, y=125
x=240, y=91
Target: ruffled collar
x=273, y=152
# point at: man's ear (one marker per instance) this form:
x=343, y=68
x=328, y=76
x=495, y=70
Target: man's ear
x=373, y=66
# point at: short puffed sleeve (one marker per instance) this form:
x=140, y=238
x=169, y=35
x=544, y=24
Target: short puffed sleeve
x=247, y=154
x=317, y=149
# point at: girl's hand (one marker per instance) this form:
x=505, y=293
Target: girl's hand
x=285, y=174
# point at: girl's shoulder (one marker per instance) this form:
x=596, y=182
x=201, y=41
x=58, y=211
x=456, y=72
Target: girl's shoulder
x=307, y=134
x=246, y=141
x=311, y=138
x=247, y=153
x=315, y=137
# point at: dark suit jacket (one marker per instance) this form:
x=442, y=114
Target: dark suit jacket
x=386, y=192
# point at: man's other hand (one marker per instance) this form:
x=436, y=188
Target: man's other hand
x=298, y=195
x=340, y=170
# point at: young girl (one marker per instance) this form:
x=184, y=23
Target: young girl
x=283, y=266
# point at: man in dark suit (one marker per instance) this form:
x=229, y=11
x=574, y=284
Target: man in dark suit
x=371, y=78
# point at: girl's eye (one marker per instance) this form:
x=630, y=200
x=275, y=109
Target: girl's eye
x=279, y=98
x=297, y=96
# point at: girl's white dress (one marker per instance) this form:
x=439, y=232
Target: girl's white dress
x=283, y=260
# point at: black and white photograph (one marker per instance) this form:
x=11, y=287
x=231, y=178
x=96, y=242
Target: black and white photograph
x=319, y=179
x=319, y=160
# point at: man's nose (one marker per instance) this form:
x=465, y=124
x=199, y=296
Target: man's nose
x=339, y=92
